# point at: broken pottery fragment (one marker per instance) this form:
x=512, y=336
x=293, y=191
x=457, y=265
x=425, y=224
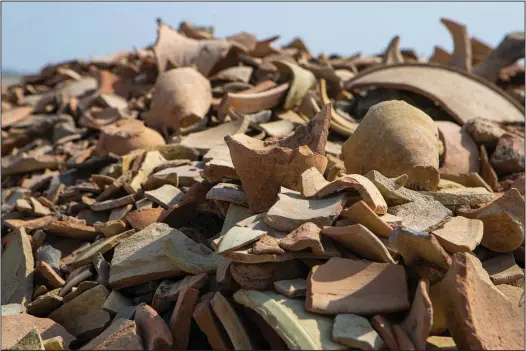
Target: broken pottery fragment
x=261, y=165
x=301, y=330
x=43, y=305
x=418, y=322
x=213, y=137
x=31, y=341
x=461, y=196
x=291, y=288
x=356, y=331
x=462, y=56
x=267, y=245
x=503, y=222
x=227, y=192
x=292, y=210
x=478, y=314
x=407, y=144
x=301, y=82
x=305, y=236
x=122, y=334
x=152, y=328
x=460, y=234
x=83, y=316
x=115, y=302
x=181, y=318
x=140, y=258
x=421, y=78
x=362, y=214
x=17, y=270
x=402, y=339
x=143, y=217
x=361, y=241
x=71, y=229
x=111, y=204
x=231, y=322
x=54, y=344
x=413, y=246
x=352, y=286
x=502, y=269
x=209, y=324
x=392, y=54
x=440, y=343
x=385, y=330
x=509, y=154
x=110, y=228
x=169, y=291
x=278, y=129
x=393, y=190
x=513, y=293
x=238, y=237
x=460, y=151
x=165, y=196
x=126, y=135
x=423, y=216
x=175, y=103
x=262, y=276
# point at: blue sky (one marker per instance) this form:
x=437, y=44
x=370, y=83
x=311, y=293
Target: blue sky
x=34, y=34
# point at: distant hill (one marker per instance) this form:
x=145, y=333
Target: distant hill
x=11, y=77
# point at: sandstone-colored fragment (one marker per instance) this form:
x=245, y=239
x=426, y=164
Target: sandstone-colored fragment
x=43, y=305
x=362, y=214
x=267, y=245
x=418, y=322
x=213, y=137
x=393, y=190
x=231, y=322
x=263, y=275
x=461, y=196
x=422, y=216
x=110, y=228
x=461, y=154
x=165, y=196
x=83, y=316
x=181, y=318
x=54, y=344
x=361, y=241
x=440, y=343
x=509, y=154
x=17, y=270
x=478, y=314
x=385, y=330
x=356, y=331
x=140, y=258
x=460, y=234
x=305, y=236
x=238, y=237
x=169, y=291
x=31, y=341
x=115, y=302
x=148, y=161
x=264, y=167
x=152, y=328
x=209, y=324
x=71, y=229
x=513, y=293
x=395, y=138
x=292, y=210
x=292, y=287
x=301, y=330
x=352, y=286
x=141, y=218
x=502, y=269
x=227, y=192
x=122, y=334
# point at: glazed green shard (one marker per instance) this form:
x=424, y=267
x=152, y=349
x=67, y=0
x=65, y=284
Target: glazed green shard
x=299, y=329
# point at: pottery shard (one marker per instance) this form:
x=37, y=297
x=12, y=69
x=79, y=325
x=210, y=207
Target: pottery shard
x=71, y=229
x=181, y=318
x=352, y=286
x=140, y=258
x=395, y=138
x=461, y=154
x=152, y=328
x=484, y=131
x=503, y=222
x=267, y=245
x=115, y=302
x=292, y=210
x=17, y=270
x=238, y=237
x=421, y=216
x=14, y=327
x=306, y=236
x=460, y=234
x=31, y=341
x=263, y=167
x=393, y=190
x=478, y=314
x=169, y=291
x=461, y=196
x=143, y=217
x=83, y=316
x=227, y=192
x=418, y=322
x=415, y=246
x=177, y=104
x=402, y=339
x=120, y=335
x=502, y=269
x=43, y=305
x=231, y=322
x=513, y=293
x=215, y=137
x=110, y=228
x=356, y=331
x=209, y=324
x=362, y=214
x=292, y=287
x=385, y=330
x=166, y=196
x=360, y=240
x=509, y=154
x=263, y=275
x=440, y=343
x=299, y=329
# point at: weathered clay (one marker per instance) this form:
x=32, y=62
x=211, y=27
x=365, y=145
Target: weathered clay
x=509, y=154
x=305, y=236
x=356, y=331
x=460, y=234
x=17, y=270
x=421, y=216
x=152, y=328
x=420, y=318
x=460, y=151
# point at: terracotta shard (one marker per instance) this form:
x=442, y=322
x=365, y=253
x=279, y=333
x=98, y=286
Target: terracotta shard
x=209, y=324
x=262, y=276
x=503, y=222
x=513, y=293
x=486, y=169
x=305, y=236
x=143, y=217
x=392, y=54
x=292, y=210
x=362, y=214
x=267, y=245
x=361, y=241
x=509, y=154
x=478, y=314
x=126, y=135
x=418, y=322
x=176, y=104
x=181, y=318
x=422, y=216
x=71, y=229
x=502, y=269
x=231, y=322
x=14, y=115
x=234, y=74
x=114, y=203
x=121, y=334
x=461, y=154
x=339, y=124
x=462, y=55
x=352, y=286
x=110, y=228
x=489, y=102
x=299, y=329
x=402, y=338
x=168, y=291
x=208, y=139
x=460, y=234
x=291, y=288
x=385, y=329
x=227, y=192
x=414, y=246
x=301, y=81
x=152, y=328
x=507, y=52
x=395, y=138
x=250, y=102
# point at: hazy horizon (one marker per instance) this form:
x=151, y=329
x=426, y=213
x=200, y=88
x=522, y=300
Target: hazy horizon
x=36, y=34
